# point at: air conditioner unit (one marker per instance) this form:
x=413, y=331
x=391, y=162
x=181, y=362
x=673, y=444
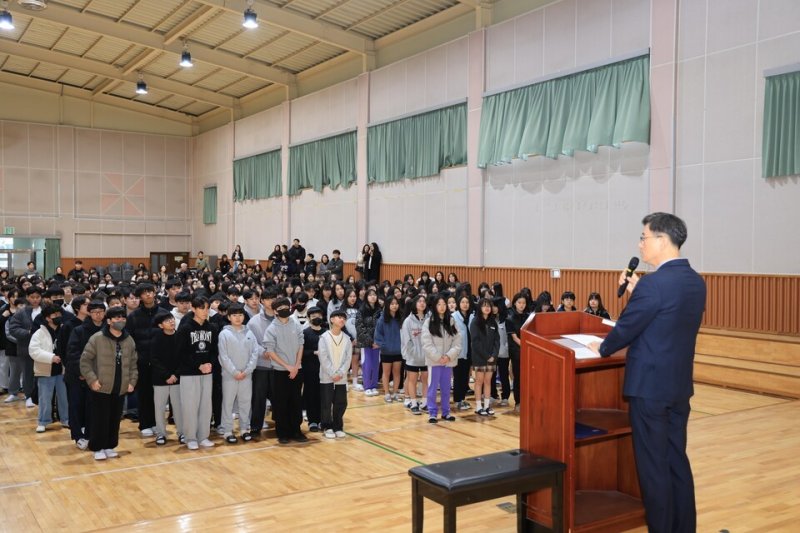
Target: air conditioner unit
x=33, y=5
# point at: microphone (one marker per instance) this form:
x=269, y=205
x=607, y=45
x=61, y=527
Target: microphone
x=632, y=264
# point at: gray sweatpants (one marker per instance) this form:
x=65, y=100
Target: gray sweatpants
x=195, y=394
x=162, y=394
x=239, y=392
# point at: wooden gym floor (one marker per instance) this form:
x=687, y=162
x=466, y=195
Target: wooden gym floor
x=743, y=449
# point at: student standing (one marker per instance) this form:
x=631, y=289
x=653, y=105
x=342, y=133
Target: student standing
x=238, y=353
x=516, y=318
x=197, y=347
x=334, y=350
x=387, y=338
x=350, y=306
x=48, y=368
x=366, y=320
x=19, y=328
x=165, y=366
x=414, y=355
x=441, y=343
x=284, y=343
x=108, y=365
x=262, y=375
x=311, y=384
x=463, y=316
x=140, y=326
x=485, y=340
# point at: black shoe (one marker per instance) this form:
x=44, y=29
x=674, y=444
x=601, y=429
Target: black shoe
x=432, y=420
x=313, y=427
x=283, y=440
x=300, y=438
x=247, y=436
x=161, y=440
x=449, y=418
x=182, y=439
x=231, y=439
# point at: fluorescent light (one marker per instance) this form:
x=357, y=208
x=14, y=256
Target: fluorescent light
x=250, y=19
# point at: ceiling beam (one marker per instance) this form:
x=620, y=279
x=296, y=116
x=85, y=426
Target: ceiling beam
x=101, y=69
x=470, y=3
x=145, y=57
x=283, y=18
x=20, y=80
x=131, y=33
x=189, y=24
x=425, y=24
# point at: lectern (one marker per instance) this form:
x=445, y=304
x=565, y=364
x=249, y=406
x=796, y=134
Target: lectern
x=573, y=411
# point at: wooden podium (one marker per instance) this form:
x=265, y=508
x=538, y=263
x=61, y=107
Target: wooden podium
x=601, y=488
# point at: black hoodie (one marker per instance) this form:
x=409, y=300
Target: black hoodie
x=197, y=345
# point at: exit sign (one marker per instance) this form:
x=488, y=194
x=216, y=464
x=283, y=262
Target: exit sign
x=9, y=230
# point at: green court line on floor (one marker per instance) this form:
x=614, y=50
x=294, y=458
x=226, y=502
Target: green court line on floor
x=384, y=448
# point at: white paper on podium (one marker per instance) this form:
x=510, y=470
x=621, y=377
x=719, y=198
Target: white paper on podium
x=583, y=340
x=581, y=351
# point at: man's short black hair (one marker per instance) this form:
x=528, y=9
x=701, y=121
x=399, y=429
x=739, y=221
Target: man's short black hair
x=173, y=282
x=669, y=225
x=48, y=310
x=199, y=302
x=33, y=289
x=236, y=309
x=280, y=302
x=336, y=251
x=77, y=302
x=183, y=296
x=270, y=293
x=116, y=312
x=144, y=287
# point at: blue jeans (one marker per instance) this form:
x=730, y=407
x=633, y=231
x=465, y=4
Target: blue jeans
x=46, y=387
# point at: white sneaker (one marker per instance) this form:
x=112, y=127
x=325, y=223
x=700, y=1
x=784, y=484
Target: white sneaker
x=82, y=444
x=387, y=398
x=11, y=398
x=100, y=456
x=408, y=403
x=220, y=431
x=340, y=434
x=329, y=434
x=192, y=445
x=40, y=429
x=147, y=432
x=29, y=403
x=111, y=454
x=205, y=443
x=358, y=387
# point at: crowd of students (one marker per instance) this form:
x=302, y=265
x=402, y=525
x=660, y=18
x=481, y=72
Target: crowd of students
x=241, y=341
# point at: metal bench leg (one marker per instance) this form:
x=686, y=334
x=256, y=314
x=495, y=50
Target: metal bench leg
x=449, y=518
x=417, y=508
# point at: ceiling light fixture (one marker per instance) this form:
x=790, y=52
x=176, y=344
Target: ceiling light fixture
x=186, y=57
x=250, y=17
x=6, y=22
x=141, y=85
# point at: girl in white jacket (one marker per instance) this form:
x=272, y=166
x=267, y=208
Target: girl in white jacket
x=48, y=369
x=441, y=343
x=414, y=356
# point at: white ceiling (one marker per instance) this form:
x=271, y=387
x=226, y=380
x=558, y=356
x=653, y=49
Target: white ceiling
x=103, y=46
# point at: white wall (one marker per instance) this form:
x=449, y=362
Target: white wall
x=740, y=221
x=568, y=212
x=213, y=164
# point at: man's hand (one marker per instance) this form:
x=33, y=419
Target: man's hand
x=205, y=368
x=337, y=378
x=594, y=346
x=130, y=388
x=56, y=359
x=293, y=372
x=95, y=385
x=172, y=380
x=239, y=376
x=632, y=281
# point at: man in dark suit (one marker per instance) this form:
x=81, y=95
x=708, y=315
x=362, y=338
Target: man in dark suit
x=659, y=326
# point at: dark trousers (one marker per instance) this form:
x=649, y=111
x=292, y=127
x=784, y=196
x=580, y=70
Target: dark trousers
x=287, y=403
x=503, y=372
x=105, y=415
x=461, y=380
x=665, y=475
x=261, y=391
x=144, y=396
x=311, y=392
x=517, y=378
x=79, y=417
x=27, y=375
x=216, y=394
x=333, y=402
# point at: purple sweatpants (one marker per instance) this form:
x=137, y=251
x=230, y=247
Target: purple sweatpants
x=440, y=378
x=369, y=370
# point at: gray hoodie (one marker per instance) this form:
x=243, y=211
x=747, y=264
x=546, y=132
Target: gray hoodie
x=238, y=351
x=284, y=340
x=411, y=341
x=258, y=325
x=327, y=366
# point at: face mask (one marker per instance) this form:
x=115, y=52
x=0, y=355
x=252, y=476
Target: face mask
x=316, y=321
x=59, y=303
x=300, y=307
x=57, y=321
x=283, y=312
x=119, y=326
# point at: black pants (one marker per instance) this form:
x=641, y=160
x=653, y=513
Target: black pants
x=144, y=396
x=287, y=403
x=517, y=378
x=261, y=391
x=461, y=380
x=505, y=384
x=216, y=394
x=27, y=376
x=334, y=404
x=311, y=392
x=105, y=413
x=79, y=417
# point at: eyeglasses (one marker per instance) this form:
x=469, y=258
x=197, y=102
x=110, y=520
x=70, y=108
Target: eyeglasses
x=642, y=238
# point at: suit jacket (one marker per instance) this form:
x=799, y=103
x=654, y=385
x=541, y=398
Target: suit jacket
x=660, y=325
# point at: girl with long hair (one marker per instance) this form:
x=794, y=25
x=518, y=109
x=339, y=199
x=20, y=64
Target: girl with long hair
x=413, y=354
x=387, y=338
x=366, y=320
x=462, y=315
x=350, y=306
x=485, y=340
x=442, y=345
x=516, y=318
x=594, y=306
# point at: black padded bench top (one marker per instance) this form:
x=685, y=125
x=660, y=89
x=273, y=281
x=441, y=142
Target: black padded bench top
x=485, y=469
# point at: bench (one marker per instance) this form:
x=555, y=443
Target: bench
x=486, y=477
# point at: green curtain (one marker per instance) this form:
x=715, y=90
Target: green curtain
x=327, y=162
x=210, y=205
x=52, y=256
x=780, y=153
x=605, y=106
x=257, y=177
x=417, y=146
